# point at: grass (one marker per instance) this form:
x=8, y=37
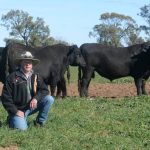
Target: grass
x=86, y=124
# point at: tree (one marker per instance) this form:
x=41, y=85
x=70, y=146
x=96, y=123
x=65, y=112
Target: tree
x=24, y=29
x=145, y=13
x=116, y=30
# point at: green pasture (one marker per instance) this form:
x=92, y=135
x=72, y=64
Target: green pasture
x=98, y=78
x=86, y=124
x=76, y=123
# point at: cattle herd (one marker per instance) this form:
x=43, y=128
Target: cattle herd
x=109, y=62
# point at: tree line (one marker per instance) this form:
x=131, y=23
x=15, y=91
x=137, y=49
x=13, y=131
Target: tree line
x=114, y=29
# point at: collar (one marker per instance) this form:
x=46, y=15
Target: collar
x=23, y=75
x=26, y=74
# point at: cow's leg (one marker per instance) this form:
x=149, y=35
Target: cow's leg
x=143, y=87
x=79, y=79
x=64, y=88
x=52, y=89
x=79, y=86
x=59, y=89
x=138, y=84
x=87, y=73
x=145, y=78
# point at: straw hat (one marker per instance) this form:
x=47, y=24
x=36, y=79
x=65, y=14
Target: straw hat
x=27, y=56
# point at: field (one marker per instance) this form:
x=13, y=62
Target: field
x=101, y=87
x=112, y=118
x=85, y=124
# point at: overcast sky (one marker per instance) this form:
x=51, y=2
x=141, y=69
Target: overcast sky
x=71, y=20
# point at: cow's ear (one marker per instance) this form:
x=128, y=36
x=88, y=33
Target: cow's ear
x=71, y=49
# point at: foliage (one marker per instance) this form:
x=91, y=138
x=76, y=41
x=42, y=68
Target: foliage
x=25, y=30
x=145, y=13
x=116, y=30
x=91, y=123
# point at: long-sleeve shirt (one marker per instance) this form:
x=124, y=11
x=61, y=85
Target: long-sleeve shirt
x=15, y=94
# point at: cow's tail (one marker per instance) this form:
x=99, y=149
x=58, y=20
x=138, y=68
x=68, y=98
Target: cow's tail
x=7, y=62
x=93, y=75
x=68, y=74
x=79, y=79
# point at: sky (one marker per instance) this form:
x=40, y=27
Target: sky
x=71, y=20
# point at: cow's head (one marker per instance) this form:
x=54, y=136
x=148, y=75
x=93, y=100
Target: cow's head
x=75, y=57
x=146, y=47
x=141, y=50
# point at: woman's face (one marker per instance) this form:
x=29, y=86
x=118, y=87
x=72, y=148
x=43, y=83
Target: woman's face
x=26, y=65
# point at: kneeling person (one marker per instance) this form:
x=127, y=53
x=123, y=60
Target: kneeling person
x=25, y=93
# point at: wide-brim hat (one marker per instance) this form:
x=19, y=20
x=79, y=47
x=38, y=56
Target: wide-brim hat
x=27, y=56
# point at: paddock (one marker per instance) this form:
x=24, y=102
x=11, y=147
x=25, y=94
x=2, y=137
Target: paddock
x=106, y=90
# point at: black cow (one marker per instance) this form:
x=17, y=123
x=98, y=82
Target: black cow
x=3, y=64
x=113, y=63
x=55, y=59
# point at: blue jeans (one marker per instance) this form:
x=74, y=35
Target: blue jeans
x=43, y=108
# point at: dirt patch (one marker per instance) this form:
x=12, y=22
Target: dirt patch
x=9, y=148
x=105, y=90
x=110, y=90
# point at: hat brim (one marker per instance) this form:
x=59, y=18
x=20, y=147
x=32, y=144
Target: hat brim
x=34, y=61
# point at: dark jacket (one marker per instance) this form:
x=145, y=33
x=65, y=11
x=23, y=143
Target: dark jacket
x=14, y=94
